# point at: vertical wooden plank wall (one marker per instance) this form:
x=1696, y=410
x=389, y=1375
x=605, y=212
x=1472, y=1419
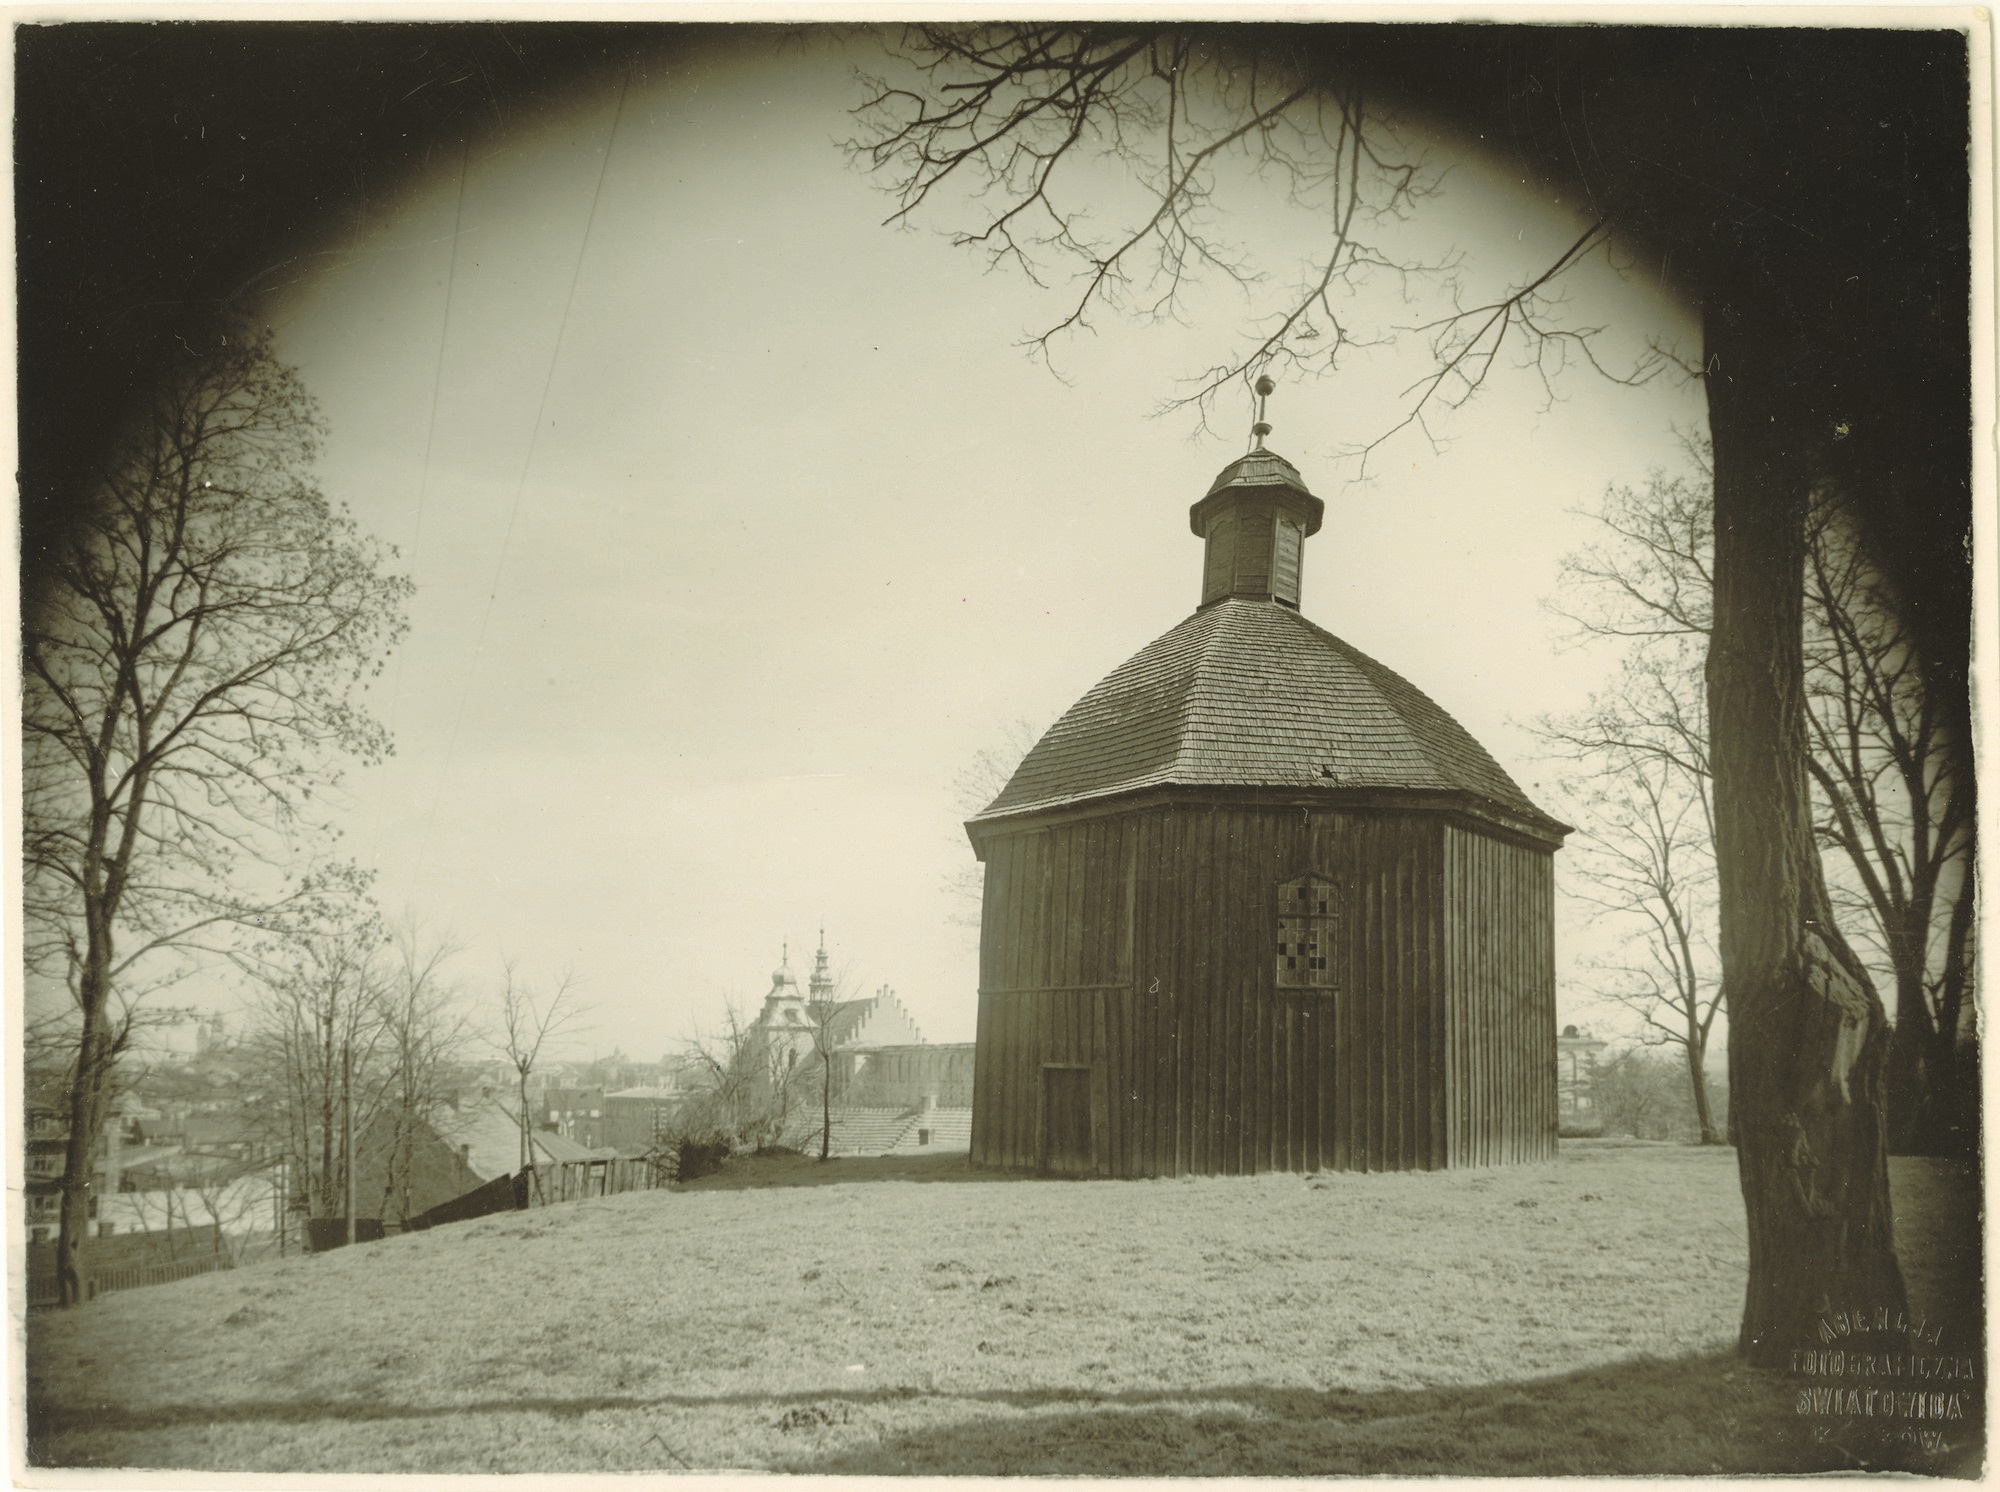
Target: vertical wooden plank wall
x=1500, y=1001
x=1055, y=978
x=1143, y=946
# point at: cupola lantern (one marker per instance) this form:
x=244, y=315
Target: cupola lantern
x=1255, y=520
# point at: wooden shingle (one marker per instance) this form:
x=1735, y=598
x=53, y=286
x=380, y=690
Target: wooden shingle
x=1248, y=694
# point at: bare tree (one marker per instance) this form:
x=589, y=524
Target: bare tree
x=424, y=1037
x=747, y=1081
x=724, y=1077
x=1889, y=803
x=319, y=1039
x=826, y=1025
x=977, y=784
x=1647, y=860
x=1897, y=810
x=187, y=690
x=234, y=1198
x=1645, y=584
x=822, y=1030
x=1640, y=1093
x=527, y=1023
x=776, y=1086
x=1893, y=813
x=1008, y=118
x=160, y=1215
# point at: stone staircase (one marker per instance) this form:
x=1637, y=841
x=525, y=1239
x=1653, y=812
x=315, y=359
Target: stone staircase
x=884, y=1131
x=951, y=1129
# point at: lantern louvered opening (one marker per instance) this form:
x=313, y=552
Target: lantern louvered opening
x=1285, y=565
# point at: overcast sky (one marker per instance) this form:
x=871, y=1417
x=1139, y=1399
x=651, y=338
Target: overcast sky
x=740, y=524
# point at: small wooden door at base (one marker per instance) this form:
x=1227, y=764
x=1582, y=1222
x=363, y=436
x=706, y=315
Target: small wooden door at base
x=1066, y=1122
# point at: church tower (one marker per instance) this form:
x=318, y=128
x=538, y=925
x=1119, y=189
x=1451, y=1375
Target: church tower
x=784, y=1020
x=1255, y=902
x=820, y=988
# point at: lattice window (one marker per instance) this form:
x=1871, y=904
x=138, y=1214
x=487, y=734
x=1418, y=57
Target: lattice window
x=1309, y=942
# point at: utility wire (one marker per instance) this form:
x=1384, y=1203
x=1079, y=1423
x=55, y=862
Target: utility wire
x=527, y=462
x=430, y=440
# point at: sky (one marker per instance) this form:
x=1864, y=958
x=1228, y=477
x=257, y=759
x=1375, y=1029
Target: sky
x=740, y=523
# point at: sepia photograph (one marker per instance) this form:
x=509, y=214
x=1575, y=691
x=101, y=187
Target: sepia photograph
x=906, y=744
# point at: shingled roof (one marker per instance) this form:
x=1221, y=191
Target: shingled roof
x=1258, y=468
x=1251, y=694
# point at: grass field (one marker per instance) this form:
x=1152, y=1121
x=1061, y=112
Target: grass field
x=872, y=1317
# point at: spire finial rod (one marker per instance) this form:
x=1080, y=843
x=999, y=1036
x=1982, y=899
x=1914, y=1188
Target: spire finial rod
x=1265, y=388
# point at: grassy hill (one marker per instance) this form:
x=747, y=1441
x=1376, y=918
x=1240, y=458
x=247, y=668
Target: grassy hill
x=887, y=1316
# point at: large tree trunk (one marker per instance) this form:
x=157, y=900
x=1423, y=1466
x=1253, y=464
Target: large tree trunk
x=87, y=1094
x=522, y=1094
x=1913, y=1080
x=1916, y=1096
x=1954, y=1061
x=826, y=1106
x=1933, y=1076
x=1807, y=1033
x=322, y=1205
x=86, y=1118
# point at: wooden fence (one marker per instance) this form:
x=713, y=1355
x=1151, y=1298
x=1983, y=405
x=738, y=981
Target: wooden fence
x=571, y=1180
x=43, y=1289
x=545, y=1185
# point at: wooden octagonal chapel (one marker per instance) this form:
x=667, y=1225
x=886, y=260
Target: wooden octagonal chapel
x=1256, y=903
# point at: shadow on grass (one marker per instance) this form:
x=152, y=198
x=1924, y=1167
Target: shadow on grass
x=1688, y=1417
x=1691, y=1416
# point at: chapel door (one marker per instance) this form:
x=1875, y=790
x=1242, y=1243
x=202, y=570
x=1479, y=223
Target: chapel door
x=1066, y=1122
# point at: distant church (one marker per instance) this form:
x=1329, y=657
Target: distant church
x=790, y=1019
x=893, y=1092
x=1256, y=903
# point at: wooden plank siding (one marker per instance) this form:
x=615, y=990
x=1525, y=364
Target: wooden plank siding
x=1500, y=1008
x=1141, y=945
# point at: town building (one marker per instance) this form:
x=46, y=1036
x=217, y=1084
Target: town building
x=1257, y=903
x=182, y=1034
x=574, y=1113
x=1577, y=1109
x=187, y=1185
x=639, y=1120
x=122, y=1161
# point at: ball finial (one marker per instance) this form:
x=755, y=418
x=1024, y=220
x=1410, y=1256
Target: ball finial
x=1262, y=428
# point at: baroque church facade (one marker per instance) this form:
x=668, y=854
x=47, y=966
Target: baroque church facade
x=892, y=1090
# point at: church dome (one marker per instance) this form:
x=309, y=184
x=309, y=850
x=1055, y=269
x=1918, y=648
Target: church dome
x=1259, y=468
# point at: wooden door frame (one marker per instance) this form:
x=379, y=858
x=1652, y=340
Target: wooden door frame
x=1089, y=1069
